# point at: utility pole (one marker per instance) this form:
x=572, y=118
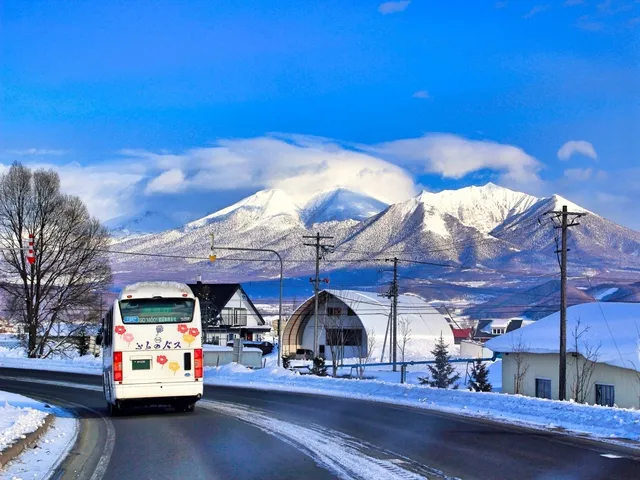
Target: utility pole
x=316, y=282
x=562, y=217
x=393, y=295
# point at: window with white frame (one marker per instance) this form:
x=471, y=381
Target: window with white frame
x=497, y=331
x=605, y=395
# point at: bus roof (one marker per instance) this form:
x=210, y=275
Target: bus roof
x=156, y=289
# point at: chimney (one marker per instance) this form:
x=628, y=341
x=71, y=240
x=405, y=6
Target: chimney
x=199, y=279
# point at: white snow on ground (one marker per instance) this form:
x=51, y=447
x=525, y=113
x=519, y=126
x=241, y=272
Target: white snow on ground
x=15, y=358
x=19, y=416
x=40, y=462
x=603, y=422
x=605, y=293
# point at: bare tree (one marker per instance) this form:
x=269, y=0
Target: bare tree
x=519, y=352
x=583, y=369
x=334, y=331
x=366, y=346
x=404, y=326
x=64, y=284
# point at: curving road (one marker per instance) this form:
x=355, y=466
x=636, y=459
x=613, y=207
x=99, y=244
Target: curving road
x=251, y=434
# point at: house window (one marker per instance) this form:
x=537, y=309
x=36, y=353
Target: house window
x=227, y=316
x=497, y=331
x=543, y=388
x=334, y=311
x=240, y=316
x=605, y=395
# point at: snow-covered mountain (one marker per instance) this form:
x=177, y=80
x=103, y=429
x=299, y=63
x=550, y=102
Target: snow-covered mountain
x=483, y=229
x=273, y=206
x=142, y=223
x=483, y=208
x=340, y=204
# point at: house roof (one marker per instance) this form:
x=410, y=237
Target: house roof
x=219, y=294
x=462, y=332
x=613, y=328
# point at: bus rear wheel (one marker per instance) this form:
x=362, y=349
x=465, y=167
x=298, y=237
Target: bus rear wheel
x=114, y=409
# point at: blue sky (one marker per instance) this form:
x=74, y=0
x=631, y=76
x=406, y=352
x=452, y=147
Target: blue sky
x=144, y=104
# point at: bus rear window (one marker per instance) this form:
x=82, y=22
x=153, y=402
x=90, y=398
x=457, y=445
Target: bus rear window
x=157, y=310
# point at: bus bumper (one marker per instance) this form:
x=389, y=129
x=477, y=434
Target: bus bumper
x=159, y=392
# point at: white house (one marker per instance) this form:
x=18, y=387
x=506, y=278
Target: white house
x=228, y=312
x=356, y=321
x=603, y=355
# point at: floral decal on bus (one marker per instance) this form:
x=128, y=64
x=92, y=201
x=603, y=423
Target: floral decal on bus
x=194, y=332
x=182, y=328
x=120, y=329
x=128, y=337
x=161, y=359
x=174, y=367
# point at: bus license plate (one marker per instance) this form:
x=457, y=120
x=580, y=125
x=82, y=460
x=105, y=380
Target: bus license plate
x=141, y=364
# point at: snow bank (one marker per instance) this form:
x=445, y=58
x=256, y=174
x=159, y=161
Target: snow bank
x=19, y=416
x=16, y=358
x=602, y=422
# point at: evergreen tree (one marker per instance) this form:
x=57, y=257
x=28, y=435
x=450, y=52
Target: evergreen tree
x=319, y=368
x=443, y=374
x=479, y=378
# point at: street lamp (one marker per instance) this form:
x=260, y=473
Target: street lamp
x=212, y=257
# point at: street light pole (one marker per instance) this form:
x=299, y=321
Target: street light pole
x=266, y=250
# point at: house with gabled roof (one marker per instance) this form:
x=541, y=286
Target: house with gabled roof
x=227, y=313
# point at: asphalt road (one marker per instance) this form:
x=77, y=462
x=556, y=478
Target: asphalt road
x=250, y=434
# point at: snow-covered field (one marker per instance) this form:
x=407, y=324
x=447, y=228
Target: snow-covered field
x=20, y=416
x=15, y=358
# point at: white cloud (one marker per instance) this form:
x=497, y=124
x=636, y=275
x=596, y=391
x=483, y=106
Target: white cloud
x=572, y=147
x=393, y=7
x=107, y=192
x=455, y=157
x=583, y=174
x=535, y=11
x=301, y=165
x=171, y=181
x=422, y=94
x=36, y=152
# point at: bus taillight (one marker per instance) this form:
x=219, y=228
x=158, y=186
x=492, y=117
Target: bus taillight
x=117, y=366
x=197, y=357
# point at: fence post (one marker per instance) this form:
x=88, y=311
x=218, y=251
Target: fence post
x=403, y=373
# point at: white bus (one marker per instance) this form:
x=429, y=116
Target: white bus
x=152, y=347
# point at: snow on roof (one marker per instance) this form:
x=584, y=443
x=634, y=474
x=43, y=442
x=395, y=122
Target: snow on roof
x=144, y=289
x=425, y=322
x=615, y=327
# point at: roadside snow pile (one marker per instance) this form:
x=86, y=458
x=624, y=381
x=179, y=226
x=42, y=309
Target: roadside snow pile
x=602, y=422
x=19, y=416
x=16, y=358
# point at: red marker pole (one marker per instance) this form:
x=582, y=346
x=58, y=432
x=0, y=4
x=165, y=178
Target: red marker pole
x=31, y=256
